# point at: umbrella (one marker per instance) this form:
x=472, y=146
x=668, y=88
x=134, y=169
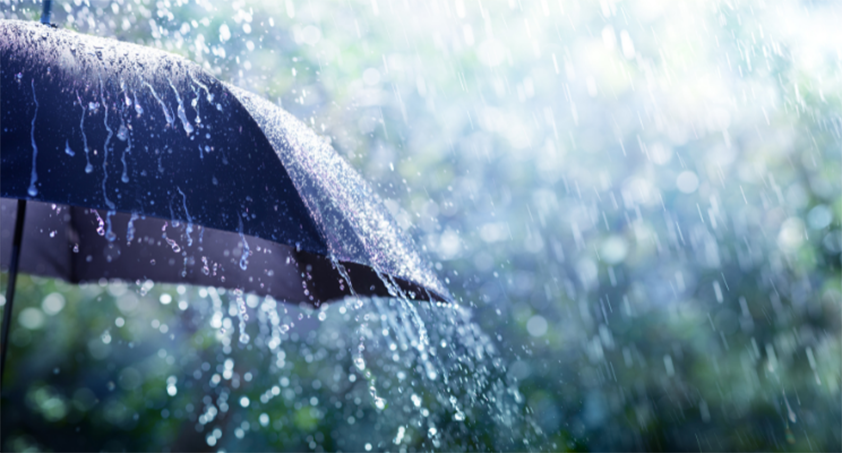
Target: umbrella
x=131, y=163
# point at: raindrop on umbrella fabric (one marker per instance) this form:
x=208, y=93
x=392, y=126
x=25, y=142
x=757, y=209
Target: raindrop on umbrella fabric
x=122, y=133
x=68, y=150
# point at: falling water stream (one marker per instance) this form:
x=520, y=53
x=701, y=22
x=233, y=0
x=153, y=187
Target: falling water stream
x=418, y=374
x=415, y=373
x=33, y=191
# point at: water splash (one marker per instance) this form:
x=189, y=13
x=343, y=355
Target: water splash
x=182, y=114
x=346, y=278
x=167, y=113
x=469, y=380
x=33, y=191
x=189, y=218
x=88, y=168
x=243, y=316
x=435, y=343
x=244, y=258
x=130, y=229
x=336, y=196
x=379, y=402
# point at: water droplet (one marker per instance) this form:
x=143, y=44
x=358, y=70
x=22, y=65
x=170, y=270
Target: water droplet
x=380, y=403
x=182, y=114
x=100, y=228
x=175, y=247
x=138, y=108
x=33, y=191
x=131, y=229
x=360, y=363
x=244, y=258
x=109, y=234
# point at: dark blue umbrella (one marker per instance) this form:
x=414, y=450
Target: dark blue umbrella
x=137, y=165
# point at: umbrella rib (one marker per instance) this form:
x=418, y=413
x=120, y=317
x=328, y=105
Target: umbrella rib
x=10, y=287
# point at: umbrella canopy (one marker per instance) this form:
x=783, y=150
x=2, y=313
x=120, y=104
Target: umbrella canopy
x=145, y=167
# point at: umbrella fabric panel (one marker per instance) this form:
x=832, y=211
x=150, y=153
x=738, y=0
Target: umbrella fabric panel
x=40, y=254
x=119, y=127
x=124, y=129
x=70, y=243
x=355, y=223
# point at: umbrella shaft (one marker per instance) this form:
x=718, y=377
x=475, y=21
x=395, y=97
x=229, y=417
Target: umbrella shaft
x=45, y=14
x=10, y=288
